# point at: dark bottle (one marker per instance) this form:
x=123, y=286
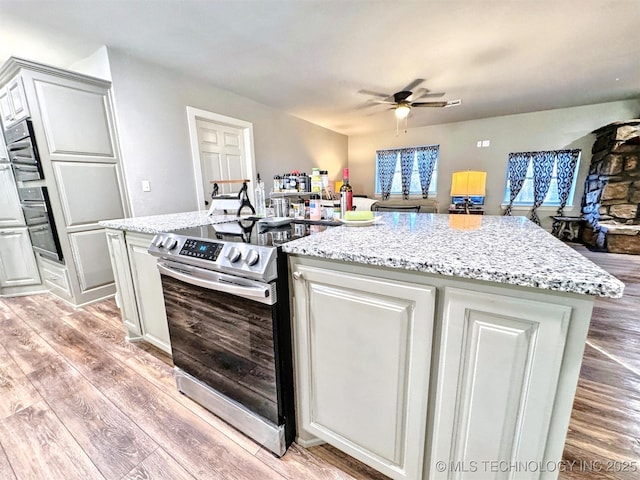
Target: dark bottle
x=346, y=194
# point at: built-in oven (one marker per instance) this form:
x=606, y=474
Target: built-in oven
x=40, y=223
x=34, y=199
x=23, y=151
x=228, y=312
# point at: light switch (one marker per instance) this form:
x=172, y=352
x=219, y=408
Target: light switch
x=479, y=143
x=146, y=186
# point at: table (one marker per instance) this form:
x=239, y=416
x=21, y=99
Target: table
x=567, y=226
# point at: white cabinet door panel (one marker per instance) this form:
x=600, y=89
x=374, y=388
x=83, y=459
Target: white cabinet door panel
x=89, y=192
x=10, y=210
x=91, y=256
x=76, y=121
x=497, y=380
x=369, y=401
x=17, y=261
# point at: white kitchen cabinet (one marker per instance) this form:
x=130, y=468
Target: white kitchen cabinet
x=17, y=261
x=10, y=210
x=125, y=294
x=148, y=291
x=13, y=102
x=362, y=355
x=498, y=374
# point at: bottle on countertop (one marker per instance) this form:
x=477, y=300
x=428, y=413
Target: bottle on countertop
x=316, y=181
x=324, y=178
x=277, y=183
x=260, y=199
x=303, y=182
x=315, y=207
x=346, y=194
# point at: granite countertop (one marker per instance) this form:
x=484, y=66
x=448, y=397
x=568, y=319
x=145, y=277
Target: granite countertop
x=166, y=223
x=510, y=250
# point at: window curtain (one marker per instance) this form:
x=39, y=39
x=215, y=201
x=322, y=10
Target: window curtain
x=566, y=161
x=542, y=170
x=427, y=157
x=387, y=160
x=516, y=172
x=406, y=168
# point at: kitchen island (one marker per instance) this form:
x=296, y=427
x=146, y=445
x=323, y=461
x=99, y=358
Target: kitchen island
x=436, y=346
x=427, y=346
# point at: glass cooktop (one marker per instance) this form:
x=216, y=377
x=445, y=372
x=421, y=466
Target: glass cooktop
x=253, y=232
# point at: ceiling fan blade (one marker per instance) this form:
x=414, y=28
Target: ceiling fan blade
x=429, y=104
x=383, y=101
x=413, y=85
x=375, y=94
x=425, y=93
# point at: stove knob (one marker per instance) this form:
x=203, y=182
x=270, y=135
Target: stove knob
x=171, y=243
x=159, y=242
x=252, y=258
x=233, y=255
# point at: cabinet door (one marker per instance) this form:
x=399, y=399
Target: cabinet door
x=18, y=99
x=497, y=379
x=17, y=260
x=10, y=210
x=148, y=287
x=125, y=295
x=5, y=107
x=363, y=349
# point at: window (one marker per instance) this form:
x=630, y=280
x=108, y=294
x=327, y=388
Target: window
x=525, y=197
x=415, y=188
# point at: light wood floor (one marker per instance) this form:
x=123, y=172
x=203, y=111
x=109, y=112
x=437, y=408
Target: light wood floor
x=79, y=402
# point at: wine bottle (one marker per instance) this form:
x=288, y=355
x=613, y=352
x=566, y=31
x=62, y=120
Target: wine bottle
x=261, y=208
x=346, y=194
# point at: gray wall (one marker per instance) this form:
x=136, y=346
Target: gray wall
x=546, y=130
x=150, y=103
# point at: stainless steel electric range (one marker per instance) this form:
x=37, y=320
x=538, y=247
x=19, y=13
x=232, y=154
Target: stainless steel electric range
x=227, y=300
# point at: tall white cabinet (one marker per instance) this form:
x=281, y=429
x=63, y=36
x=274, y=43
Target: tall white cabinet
x=73, y=121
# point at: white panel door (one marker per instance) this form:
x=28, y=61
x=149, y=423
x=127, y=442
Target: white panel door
x=497, y=379
x=363, y=349
x=89, y=192
x=10, y=210
x=17, y=261
x=222, y=155
x=91, y=256
x=75, y=120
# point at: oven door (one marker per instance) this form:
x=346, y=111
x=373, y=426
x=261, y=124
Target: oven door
x=222, y=333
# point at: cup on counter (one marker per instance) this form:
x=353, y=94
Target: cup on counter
x=280, y=207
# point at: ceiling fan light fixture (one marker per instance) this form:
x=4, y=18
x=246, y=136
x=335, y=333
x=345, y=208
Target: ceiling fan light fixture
x=402, y=111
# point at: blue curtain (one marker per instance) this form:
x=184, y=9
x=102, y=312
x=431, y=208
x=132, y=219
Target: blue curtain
x=406, y=164
x=542, y=170
x=427, y=157
x=387, y=160
x=516, y=173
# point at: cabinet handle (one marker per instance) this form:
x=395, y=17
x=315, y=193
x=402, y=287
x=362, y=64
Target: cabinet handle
x=298, y=276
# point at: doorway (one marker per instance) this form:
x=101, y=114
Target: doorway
x=221, y=149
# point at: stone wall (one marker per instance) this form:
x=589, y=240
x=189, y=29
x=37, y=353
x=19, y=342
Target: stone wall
x=611, y=202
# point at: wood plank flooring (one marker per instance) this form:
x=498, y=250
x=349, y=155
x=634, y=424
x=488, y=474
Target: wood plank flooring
x=79, y=402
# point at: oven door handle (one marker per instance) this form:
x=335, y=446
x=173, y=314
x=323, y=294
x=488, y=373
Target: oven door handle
x=262, y=293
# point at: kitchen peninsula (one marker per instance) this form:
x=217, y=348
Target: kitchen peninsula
x=427, y=343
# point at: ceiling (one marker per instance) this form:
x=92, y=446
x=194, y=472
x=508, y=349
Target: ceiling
x=311, y=58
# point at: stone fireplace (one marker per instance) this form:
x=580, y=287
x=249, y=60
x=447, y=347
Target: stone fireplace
x=611, y=202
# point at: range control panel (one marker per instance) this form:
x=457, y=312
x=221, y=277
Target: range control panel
x=201, y=249
x=251, y=261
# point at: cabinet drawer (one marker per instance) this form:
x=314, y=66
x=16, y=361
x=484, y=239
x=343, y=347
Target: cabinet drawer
x=55, y=276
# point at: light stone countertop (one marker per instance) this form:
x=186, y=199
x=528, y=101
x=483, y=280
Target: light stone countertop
x=510, y=250
x=166, y=223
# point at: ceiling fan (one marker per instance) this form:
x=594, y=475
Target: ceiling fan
x=404, y=100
